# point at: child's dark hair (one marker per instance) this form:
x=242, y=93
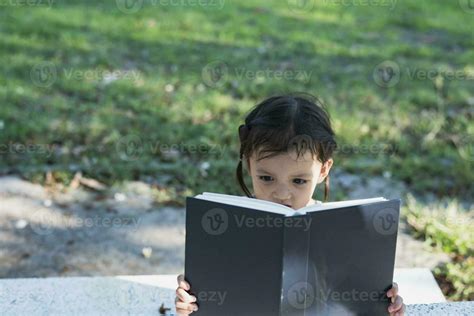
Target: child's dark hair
x=272, y=125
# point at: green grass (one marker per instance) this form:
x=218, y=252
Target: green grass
x=447, y=226
x=427, y=126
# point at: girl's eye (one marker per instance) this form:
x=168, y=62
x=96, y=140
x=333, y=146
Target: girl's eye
x=265, y=178
x=300, y=181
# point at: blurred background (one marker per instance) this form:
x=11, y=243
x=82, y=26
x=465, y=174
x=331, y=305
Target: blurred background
x=112, y=112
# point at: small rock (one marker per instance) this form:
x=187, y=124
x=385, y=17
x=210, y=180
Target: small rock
x=21, y=224
x=169, y=88
x=120, y=197
x=146, y=252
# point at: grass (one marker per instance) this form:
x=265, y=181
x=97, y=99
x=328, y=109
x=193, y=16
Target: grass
x=447, y=226
x=157, y=95
x=86, y=117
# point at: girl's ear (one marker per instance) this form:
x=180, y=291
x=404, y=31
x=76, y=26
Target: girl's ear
x=325, y=170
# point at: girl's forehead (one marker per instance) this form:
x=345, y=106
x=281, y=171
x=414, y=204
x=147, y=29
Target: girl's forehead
x=289, y=161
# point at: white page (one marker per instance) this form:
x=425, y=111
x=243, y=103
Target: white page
x=244, y=201
x=268, y=206
x=339, y=204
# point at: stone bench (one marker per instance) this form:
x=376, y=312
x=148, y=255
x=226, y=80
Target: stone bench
x=144, y=294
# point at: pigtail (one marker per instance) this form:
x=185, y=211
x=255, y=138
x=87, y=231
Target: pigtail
x=326, y=189
x=243, y=133
x=240, y=179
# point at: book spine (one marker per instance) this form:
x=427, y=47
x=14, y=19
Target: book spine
x=295, y=288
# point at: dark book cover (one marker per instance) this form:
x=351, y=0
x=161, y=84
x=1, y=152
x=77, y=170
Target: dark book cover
x=242, y=261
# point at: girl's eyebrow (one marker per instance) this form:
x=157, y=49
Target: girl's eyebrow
x=303, y=175
x=262, y=171
x=296, y=175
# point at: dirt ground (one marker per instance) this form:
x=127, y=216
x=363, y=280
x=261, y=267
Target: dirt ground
x=84, y=233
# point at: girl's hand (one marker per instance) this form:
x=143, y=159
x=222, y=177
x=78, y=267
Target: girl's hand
x=396, y=308
x=185, y=303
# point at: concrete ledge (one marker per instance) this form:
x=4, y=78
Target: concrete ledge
x=418, y=286
x=144, y=294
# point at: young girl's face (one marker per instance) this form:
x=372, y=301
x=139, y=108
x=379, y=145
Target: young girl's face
x=286, y=179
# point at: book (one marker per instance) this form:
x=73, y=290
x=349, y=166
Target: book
x=245, y=256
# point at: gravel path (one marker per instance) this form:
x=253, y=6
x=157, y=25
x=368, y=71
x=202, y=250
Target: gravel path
x=80, y=233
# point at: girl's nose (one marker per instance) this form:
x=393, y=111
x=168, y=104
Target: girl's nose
x=282, y=193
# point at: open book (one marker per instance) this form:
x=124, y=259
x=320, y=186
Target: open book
x=246, y=256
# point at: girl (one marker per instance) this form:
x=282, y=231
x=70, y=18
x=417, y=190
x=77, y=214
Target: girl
x=273, y=142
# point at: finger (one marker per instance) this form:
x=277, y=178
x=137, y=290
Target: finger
x=186, y=306
x=402, y=311
x=393, y=291
x=185, y=296
x=396, y=306
x=182, y=282
x=183, y=312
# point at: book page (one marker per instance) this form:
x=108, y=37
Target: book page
x=273, y=207
x=247, y=202
x=335, y=205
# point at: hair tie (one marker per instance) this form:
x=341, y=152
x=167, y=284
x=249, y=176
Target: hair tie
x=243, y=132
